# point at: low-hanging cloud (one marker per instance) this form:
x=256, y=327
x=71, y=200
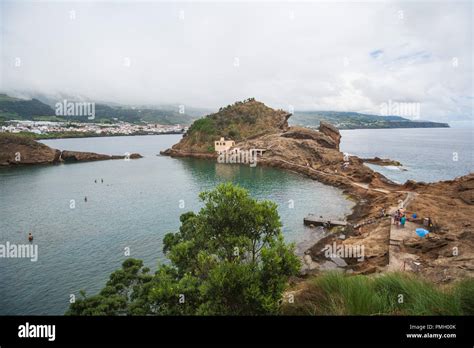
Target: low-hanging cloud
x=309, y=56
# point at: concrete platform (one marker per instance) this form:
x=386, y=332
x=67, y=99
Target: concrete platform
x=316, y=221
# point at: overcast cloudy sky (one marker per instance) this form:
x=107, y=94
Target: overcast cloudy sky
x=313, y=55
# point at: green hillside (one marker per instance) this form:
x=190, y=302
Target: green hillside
x=354, y=120
x=13, y=108
x=34, y=109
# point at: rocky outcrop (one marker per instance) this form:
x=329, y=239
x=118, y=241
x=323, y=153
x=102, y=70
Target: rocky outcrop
x=331, y=131
x=249, y=119
x=305, y=133
x=461, y=188
x=77, y=156
x=381, y=161
x=18, y=150
x=466, y=190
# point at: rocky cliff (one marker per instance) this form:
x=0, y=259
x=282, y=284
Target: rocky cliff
x=18, y=150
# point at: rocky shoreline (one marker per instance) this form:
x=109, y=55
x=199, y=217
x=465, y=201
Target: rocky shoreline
x=17, y=150
x=446, y=255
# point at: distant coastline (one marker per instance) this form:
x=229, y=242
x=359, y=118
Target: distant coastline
x=355, y=120
x=51, y=136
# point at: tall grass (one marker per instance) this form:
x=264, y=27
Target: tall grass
x=334, y=293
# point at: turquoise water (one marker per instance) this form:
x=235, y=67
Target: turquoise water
x=428, y=154
x=136, y=205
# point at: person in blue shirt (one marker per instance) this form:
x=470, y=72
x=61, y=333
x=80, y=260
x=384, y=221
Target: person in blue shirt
x=403, y=220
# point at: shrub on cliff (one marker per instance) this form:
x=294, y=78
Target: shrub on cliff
x=229, y=259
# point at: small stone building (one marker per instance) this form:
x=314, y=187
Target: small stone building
x=223, y=145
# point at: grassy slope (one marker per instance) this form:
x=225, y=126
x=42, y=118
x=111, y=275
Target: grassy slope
x=334, y=293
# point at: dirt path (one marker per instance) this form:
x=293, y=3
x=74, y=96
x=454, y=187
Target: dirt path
x=366, y=186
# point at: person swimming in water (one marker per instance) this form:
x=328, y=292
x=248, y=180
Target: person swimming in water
x=30, y=237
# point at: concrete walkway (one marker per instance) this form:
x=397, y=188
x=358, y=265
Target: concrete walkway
x=366, y=186
x=399, y=260
x=403, y=204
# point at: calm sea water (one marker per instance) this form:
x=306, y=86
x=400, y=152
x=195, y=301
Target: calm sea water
x=427, y=154
x=136, y=205
x=139, y=202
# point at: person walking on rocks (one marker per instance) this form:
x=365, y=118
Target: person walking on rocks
x=396, y=217
x=403, y=219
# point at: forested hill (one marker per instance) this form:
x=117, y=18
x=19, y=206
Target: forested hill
x=34, y=109
x=354, y=120
x=241, y=120
x=13, y=108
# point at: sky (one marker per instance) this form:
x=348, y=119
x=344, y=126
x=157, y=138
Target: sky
x=314, y=55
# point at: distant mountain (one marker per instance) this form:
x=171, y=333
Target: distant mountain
x=354, y=120
x=136, y=115
x=34, y=109
x=11, y=108
x=190, y=111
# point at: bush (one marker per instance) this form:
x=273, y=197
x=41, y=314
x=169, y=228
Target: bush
x=204, y=125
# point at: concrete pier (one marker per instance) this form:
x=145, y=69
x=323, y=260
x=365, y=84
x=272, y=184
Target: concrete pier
x=316, y=221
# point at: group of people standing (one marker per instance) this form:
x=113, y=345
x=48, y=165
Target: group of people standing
x=399, y=218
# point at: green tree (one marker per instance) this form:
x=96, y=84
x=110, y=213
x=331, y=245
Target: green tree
x=229, y=259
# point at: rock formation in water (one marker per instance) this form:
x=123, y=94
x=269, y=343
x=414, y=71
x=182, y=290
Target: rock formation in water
x=252, y=125
x=78, y=156
x=240, y=121
x=19, y=150
x=382, y=161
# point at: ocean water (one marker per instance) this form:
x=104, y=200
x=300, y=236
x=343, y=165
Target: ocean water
x=427, y=154
x=140, y=200
x=136, y=205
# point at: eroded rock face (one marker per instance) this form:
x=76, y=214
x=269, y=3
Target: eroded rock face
x=466, y=190
x=15, y=150
x=331, y=131
x=305, y=133
x=382, y=161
